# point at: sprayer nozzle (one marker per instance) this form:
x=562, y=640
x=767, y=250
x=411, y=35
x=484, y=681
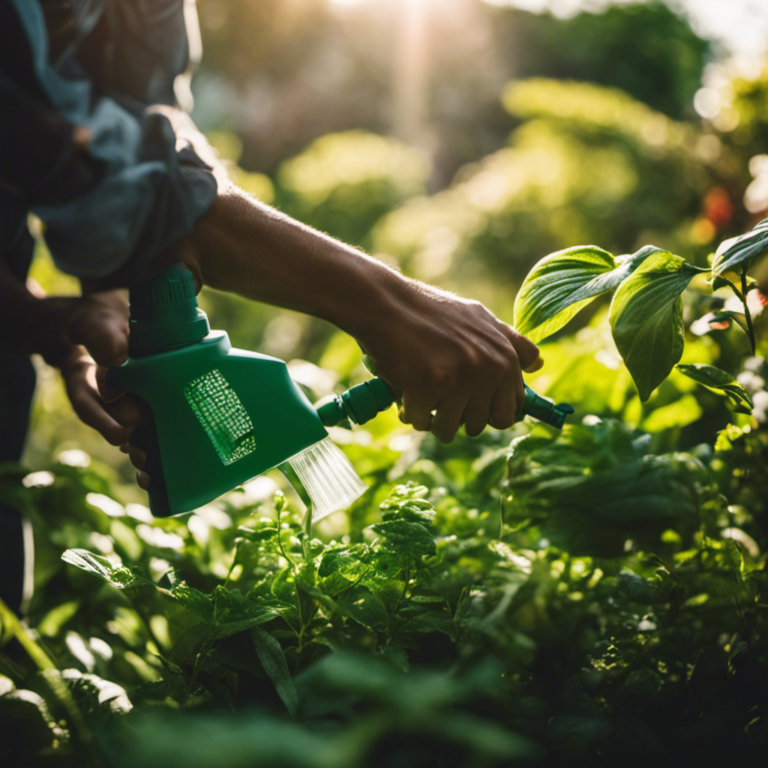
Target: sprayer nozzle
x=543, y=409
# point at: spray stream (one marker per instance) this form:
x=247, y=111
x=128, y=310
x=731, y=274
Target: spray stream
x=328, y=478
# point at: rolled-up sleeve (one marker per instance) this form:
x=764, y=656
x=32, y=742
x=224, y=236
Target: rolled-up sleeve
x=136, y=211
x=137, y=189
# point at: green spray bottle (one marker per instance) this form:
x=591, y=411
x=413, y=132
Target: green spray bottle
x=216, y=417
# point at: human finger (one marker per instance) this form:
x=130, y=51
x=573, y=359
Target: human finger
x=535, y=366
x=107, y=389
x=143, y=480
x=527, y=352
x=417, y=409
x=507, y=400
x=100, y=324
x=137, y=456
x=90, y=410
x=448, y=416
x=126, y=411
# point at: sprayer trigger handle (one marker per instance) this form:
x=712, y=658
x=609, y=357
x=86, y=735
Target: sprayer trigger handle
x=145, y=437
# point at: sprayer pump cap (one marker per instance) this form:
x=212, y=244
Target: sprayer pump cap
x=175, y=284
x=164, y=312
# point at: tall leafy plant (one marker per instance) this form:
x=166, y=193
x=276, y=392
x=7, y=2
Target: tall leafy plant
x=646, y=313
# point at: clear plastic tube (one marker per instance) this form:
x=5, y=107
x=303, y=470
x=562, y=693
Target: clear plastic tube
x=328, y=478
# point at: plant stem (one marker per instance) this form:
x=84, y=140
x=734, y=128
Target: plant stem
x=234, y=561
x=747, y=313
x=307, y=532
x=280, y=537
x=742, y=296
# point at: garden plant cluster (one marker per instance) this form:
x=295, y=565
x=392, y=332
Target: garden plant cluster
x=596, y=596
x=570, y=597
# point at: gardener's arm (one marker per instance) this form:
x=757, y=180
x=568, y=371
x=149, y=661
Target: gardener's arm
x=445, y=354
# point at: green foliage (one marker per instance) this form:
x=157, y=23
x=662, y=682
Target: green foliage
x=596, y=486
x=720, y=381
x=646, y=313
x=741, y=251
x=622, y=597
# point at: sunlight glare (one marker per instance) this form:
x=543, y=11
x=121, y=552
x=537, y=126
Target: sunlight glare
x=348, y=2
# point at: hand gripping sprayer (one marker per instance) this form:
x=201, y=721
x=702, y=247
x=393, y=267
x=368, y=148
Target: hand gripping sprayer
x=217, y=417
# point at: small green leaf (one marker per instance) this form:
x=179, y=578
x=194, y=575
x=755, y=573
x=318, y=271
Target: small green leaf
x=646, y=318
x=720, y=281
x=272, y=659
x=51, y=624
x=259, y=534
x=719, y=381
x=433, y=621
x=741, y=251
x=564, y=282
x=738, y=317
x=117, y=575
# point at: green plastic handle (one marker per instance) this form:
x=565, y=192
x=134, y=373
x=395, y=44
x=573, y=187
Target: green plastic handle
x=361, y=403
x=534, y=405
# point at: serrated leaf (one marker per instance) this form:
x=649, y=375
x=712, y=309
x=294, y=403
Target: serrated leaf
x=365, y=608
x=719, y=381
x=272, y=658
x=646, y=318
x=228, y=611
x=95, y=692
x=345, y=562
x=117, y=575
x=406, y=538
x=741, y=251
x=195, y=601
x=563, y=283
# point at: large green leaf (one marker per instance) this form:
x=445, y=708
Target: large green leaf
x=720, y=381
x=647, y=319
x=564, y=282
x=741, y=251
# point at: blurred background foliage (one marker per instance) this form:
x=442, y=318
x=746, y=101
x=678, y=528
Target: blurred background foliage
x=460, y=141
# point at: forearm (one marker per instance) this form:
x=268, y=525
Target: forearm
x=452, y=360
x=245, y=247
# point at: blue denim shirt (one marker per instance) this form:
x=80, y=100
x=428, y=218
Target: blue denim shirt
x=100, y=64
